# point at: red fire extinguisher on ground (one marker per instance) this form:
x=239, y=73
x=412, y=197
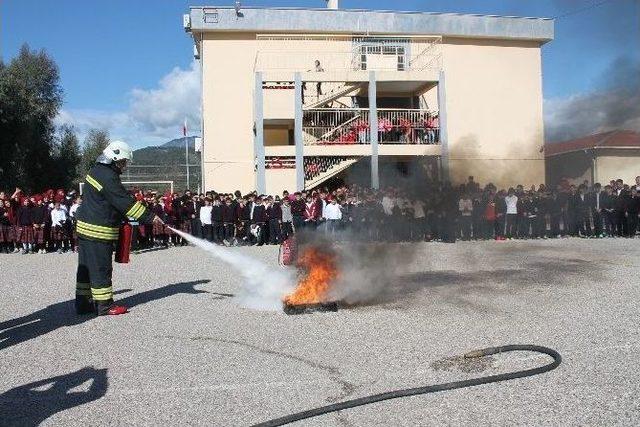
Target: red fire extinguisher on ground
x=288, y=251
x=123, y=248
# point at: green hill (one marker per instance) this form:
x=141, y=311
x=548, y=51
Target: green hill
x=164, y=163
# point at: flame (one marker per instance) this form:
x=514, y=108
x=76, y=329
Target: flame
x=321, y=271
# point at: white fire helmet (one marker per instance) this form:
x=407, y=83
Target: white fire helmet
x=118, y=150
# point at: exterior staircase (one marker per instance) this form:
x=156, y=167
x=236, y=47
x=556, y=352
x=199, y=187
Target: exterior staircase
x=335, y=93
x=338, y=130
x=321, y=177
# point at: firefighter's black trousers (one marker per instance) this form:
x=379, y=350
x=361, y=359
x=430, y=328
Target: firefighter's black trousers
x=93, y=279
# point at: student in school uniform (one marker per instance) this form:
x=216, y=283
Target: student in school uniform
x=298, y=207
x=25, y=226
x=274, y=214
x=259, y=221
x=595, y=206
x=205, y=220
x=229, y=219
x=583, y=211
x=39, y=214
x=287, y=218
x=59, y=227
x=216, y=220
x=609, y=211
x=243, y=223
x=633, y=209
x=6, y=226
x=310, y=213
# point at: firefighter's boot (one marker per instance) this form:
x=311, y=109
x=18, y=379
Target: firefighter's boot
x=109, y=308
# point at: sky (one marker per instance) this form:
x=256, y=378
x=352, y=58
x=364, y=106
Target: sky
x=127, y=66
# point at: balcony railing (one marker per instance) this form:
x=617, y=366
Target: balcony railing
x=336, y=126
x=302, y=53
x=402, y=126
x=328, y=126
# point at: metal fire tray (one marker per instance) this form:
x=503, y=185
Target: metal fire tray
x=310, y=308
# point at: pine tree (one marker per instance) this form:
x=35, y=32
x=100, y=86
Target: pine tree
x=30, y=97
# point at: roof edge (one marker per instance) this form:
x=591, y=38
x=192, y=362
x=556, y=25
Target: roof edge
x=399, y=12
x=359, y=21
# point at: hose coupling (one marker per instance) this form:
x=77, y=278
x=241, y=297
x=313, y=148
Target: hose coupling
x=474, y=354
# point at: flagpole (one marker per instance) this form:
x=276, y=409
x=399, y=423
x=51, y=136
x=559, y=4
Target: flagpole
x=186, y=152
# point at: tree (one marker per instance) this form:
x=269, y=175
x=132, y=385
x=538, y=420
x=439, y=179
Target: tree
x=30, y=97
x=94, y=143
x=66, y=155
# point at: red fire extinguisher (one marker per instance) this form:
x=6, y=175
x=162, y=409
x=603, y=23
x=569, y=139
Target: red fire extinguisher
x=123, y=247
x=288, y=251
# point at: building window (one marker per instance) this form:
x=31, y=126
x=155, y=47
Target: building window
x=379, y=53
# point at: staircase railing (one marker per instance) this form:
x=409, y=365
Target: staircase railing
x=336, y=126
x=318, y=169
x=331, y=91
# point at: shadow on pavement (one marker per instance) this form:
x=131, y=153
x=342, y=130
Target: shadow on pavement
x=31, y=404
x=48, y=319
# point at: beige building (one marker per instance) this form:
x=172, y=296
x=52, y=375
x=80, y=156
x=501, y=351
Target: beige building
x=595, y=158
x=294, y=98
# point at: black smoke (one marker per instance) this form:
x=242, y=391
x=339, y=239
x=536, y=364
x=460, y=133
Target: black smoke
x=616, y=105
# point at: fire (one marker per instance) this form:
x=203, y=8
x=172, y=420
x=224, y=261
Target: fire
x=321, y=271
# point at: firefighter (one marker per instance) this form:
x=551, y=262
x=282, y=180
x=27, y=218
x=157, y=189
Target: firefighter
x=105, y=205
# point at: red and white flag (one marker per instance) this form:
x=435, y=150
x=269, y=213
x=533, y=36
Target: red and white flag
x=184, y=127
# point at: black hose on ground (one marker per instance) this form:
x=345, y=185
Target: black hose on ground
x=431, y=388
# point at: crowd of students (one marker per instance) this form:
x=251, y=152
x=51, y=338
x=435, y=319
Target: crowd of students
x=568, y=210
x=38, y=223
x=44, y=222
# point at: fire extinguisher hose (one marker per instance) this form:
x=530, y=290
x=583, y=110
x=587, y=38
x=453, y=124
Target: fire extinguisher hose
x=557, y=359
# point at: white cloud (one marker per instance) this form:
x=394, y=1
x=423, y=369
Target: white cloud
x=153, y=116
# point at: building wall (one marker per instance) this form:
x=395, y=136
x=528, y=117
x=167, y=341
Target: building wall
x=278, y=103
x=576, y=167
x=610, y=164
x=493, y=95
x=279, y=180
x=614, y=164
x=227, y=90
x=494, y=111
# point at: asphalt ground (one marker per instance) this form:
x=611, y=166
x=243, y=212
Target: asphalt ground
x=189, y=354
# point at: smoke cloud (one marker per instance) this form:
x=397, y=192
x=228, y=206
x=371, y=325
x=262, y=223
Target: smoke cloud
x=367, y=270
x=262, y=287
x=615, y=106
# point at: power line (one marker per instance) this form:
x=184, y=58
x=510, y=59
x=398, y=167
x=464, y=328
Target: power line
x=583, y=9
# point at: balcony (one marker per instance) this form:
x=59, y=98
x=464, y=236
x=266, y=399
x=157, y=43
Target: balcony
x=348, y=126
x=323, y=126
x=309, y=53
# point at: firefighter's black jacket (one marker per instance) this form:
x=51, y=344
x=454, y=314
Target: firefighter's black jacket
x=105, y=204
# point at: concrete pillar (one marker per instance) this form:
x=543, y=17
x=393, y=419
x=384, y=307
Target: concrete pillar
x=297, y=133
x=373, y=130
x=258, y=141
x=442, y=116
